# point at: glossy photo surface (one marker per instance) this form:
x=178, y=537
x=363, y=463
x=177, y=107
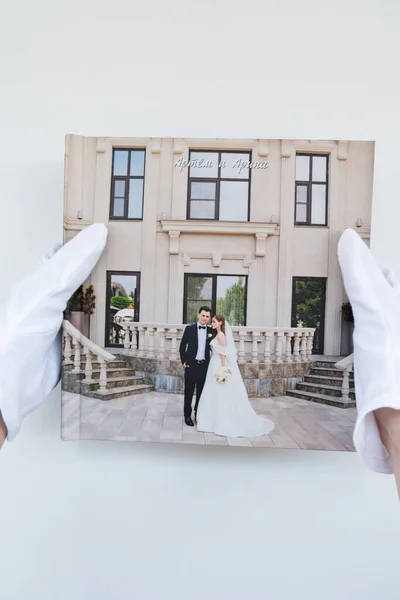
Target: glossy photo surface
x=217, y=312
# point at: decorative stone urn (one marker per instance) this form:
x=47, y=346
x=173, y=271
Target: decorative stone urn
x=81, y=321
x=80, y=306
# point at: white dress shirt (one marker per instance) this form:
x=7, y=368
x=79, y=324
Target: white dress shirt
x=202, y=338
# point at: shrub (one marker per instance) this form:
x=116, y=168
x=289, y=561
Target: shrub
x=121, y=302
x=82, y=300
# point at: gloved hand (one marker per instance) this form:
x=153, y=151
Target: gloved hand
x=374, y=294
x=31, y=322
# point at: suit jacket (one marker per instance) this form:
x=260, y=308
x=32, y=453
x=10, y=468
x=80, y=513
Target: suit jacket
x=189, y=344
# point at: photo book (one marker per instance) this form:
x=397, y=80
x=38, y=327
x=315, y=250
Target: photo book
x=216, y=314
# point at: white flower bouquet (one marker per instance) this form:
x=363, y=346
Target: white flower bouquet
x=222, y=374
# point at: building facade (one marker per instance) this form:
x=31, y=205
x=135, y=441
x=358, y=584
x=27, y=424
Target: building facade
x=249, y=227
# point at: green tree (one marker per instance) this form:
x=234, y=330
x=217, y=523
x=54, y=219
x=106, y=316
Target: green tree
x=231, y=306
x=308, y=304
x=195, y=297
x=121, y=302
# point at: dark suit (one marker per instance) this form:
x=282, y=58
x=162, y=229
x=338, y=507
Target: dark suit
x=195, y=373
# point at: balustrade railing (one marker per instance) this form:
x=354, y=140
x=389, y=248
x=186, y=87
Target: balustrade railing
x=346, y=365
x=78, y=350
x=254, y=344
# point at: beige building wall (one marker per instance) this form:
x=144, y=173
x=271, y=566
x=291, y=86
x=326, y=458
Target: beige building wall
x=271, y=254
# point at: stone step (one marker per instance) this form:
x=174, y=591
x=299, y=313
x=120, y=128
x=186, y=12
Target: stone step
x=324, y=371
x=324, y=380
x=322, y=399
x=328, y=390
x=114, y=382
x=115, y=364
x=326, y=364
x=114, y=393
x=110, y=373
x=118, y=362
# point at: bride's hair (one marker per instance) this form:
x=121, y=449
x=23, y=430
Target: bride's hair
x=221, y=319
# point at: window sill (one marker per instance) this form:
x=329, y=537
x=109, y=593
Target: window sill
x=119, y=219
x=219, y=227
x=311, y=226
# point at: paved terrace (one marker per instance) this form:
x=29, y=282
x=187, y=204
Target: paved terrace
x=157, y=417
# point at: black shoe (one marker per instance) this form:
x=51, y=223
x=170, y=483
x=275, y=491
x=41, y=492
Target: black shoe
x=195, y=417
x=188, y=421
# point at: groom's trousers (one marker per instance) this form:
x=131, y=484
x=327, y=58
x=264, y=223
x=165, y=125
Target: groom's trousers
x=195, y=376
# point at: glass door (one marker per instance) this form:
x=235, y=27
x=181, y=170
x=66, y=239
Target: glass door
x=308, y=306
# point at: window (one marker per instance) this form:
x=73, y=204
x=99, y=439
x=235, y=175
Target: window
x=219, y=185
x=127, y=184
x=311, y=189
x=225, y=294
x=122, y=304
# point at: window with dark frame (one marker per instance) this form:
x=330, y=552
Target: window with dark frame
x=311, y=201
x=122, y=304
x=127, y=183
x=219, y=185
x=224, y=294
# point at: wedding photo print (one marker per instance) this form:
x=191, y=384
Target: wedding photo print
x=216, y=313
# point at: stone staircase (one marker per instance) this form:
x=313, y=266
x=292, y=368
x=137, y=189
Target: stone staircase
x=121, y=381
x=324, y=385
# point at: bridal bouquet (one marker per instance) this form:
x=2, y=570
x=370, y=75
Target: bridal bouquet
x=222, y=374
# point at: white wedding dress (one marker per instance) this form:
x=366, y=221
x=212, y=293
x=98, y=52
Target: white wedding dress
x=224, y=408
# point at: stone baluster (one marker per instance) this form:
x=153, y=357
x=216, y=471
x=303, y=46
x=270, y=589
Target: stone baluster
x=150, y=345
x=346, y=384
x=127, y=339
x=278, y=347
x=134, y=339
x=254, y=349
x=77, y=356
x=67, y=350
x=103, y=373
x=174, y=344
x=145, y=341
x=180, y=336
x=161, y=342
x=88, y=365
x=267, y=348
x=241, y=353
x=296, y=347
x=288, y=347
x=310, y=337
x=303, y=351
x=141, y=351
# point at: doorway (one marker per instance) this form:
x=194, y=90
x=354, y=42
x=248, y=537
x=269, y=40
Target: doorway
x=308, y=306
x=122, y=305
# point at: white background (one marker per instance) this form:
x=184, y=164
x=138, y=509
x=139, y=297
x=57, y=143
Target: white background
x=124, y=521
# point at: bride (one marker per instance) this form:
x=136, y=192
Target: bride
x=224, y=407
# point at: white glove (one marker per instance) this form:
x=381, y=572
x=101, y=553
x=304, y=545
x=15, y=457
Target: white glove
x=31, y=321
x=374, y=295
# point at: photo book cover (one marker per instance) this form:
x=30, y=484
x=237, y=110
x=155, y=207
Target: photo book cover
x=217, y=312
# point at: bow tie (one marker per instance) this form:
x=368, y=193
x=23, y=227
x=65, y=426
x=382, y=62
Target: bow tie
x=202, y=326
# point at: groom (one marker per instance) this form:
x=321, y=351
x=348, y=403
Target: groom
x=195, y=356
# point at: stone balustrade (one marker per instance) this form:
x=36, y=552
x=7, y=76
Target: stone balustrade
x=78, y=350
x=346, y=366
x=254, y=344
